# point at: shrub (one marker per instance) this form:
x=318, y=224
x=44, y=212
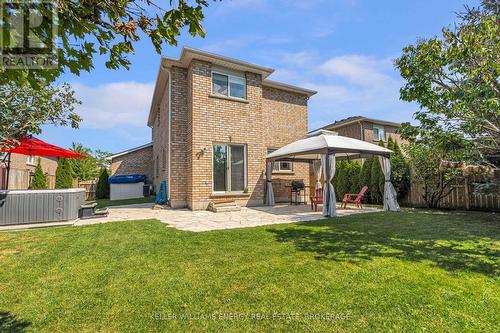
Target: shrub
x=400, y=175
x=64, y=174
x=376, y=180
x=39, y=180
x=102, y=188
x=364, y=178
x=346, y=178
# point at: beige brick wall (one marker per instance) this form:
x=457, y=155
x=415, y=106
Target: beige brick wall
x=269, y=118
x=136, y=162
x=389, y=131
x=285, y=121
x=20, y=171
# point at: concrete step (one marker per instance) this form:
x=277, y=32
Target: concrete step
x=229, y=206
x=233, y=208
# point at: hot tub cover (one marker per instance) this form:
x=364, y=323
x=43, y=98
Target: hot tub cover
x=126, y=179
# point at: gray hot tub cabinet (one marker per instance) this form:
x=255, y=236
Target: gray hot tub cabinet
x=39, y=206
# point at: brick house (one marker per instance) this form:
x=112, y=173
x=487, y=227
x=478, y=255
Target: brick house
x=214, y=119
x=22, y=168
x=366, y=129
x=138, y=160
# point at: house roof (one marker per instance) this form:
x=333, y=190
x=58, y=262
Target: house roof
x=128, y=151
x=188, y=54
x=355, y=119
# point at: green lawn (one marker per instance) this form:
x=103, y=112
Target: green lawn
x=101, y=203
x=411, y=272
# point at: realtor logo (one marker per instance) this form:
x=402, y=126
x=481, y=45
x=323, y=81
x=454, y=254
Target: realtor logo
x=28, y=34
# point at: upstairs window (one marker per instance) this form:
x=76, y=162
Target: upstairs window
x=31, y=160
x=378, y=133
x=228, y=85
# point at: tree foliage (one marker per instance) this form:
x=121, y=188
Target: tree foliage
x=455, y=80
x=346, y=178
x=424, y=162
x=23, y=110
x=64, y=174
x=102, y=188
x=106, y=28
x=400, y=173
x=39, y=180
x=88, y=168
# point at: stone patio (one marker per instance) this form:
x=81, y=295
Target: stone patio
x=202, y=220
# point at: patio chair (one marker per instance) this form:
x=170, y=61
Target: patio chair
x=316, y=199
x=354, y=198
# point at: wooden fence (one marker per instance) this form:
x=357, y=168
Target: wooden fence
x=20, y=180
x=462, y=196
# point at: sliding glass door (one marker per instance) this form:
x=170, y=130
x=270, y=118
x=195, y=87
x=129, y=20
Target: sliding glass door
x=229, y=168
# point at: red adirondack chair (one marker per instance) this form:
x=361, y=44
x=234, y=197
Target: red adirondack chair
x=354, y=198
x=316, y=198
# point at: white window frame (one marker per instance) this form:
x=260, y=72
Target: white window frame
x=380, y=129
x=31, y=160
x=229, y=77
x=228, y=167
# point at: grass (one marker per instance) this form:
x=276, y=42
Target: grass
x=101, y=203
x=413, y=271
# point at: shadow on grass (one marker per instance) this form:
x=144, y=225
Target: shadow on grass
x=10, y=324
x=453, y=243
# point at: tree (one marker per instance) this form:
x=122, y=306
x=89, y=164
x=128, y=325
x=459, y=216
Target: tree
x=400, y=173
x=102, y=159
x=436, y=183
x=365, y=176
x=102, y=188
x=84, y=168
x=346, y=178
x=64, y=174
x=455, y=79
x=39, y=180
x=377, y=180
x=106, y=28
x=24, y=110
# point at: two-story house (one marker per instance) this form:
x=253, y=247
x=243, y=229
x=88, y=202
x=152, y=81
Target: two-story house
x=214, y=119
x=366, y=129
x=22, y=168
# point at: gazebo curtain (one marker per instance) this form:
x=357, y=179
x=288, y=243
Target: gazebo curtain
x=269, y=184
x=328, y=166
x=317, y=173
x=390, y=195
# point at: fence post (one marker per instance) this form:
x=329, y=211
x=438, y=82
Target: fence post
x=467, y=193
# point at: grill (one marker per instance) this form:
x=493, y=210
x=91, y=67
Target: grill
x=298, y=185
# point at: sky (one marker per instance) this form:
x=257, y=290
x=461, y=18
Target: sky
x=341, y=48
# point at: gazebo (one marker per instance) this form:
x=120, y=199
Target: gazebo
x=323, y=149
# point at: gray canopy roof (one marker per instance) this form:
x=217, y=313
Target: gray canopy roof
x=313, y=147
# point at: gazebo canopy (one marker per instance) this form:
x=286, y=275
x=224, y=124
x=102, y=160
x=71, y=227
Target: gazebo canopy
x=313, y=147
x=324, y=148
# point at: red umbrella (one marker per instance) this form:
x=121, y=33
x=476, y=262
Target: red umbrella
x=33, y=146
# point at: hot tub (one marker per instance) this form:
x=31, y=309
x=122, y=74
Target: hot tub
x=40, y=206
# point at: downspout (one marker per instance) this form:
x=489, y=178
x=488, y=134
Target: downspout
x=362, y=133
x=169, y=133
x=169, y=146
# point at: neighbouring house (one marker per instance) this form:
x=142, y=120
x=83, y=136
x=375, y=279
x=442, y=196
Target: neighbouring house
x=214, y=119
x=138, y=160
x=366, y=129
x=22, y=168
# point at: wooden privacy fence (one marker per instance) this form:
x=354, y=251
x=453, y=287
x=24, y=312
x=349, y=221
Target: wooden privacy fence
x=462, y=196
x=89, y=186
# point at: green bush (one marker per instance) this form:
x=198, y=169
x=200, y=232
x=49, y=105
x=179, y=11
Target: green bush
x=400, y=175
x=39, y=180
x=64, y=174
x=376, y=180
x=346, y=178
x=102, y=188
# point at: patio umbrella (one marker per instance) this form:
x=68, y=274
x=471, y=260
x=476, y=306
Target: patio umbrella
x=34, y=146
